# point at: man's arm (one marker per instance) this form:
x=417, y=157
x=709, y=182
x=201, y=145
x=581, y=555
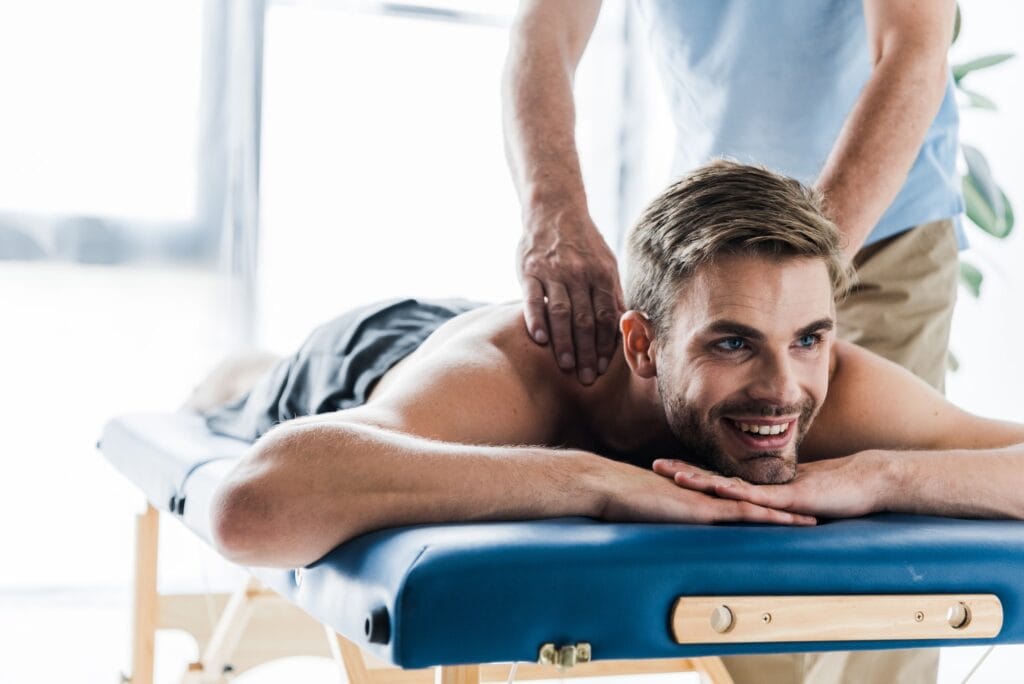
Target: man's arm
x=561, y=255
x=437, y=446
x=886, y=441
x=883, y=133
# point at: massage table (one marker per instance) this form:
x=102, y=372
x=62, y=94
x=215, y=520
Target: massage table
x=565, y=597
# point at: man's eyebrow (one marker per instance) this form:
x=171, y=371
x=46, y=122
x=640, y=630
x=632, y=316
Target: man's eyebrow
x=820, y=325
x=727, y=327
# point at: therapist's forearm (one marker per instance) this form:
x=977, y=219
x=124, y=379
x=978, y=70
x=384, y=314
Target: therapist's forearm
x=879, y=142
x=539, y=119
x=964, y=483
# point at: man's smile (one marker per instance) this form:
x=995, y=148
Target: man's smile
x=762, y=434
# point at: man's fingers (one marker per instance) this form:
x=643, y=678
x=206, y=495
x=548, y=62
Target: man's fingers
x=775, y=496
x=533, y=310
x=686, y=475
x=670, y=466
x=583, y=335
x=559, y=312
x=710, y=483
x=663, y=466
x=736, y=499
x=620, y=299
x=754, y=513
x=746, y=511
x=606, y=324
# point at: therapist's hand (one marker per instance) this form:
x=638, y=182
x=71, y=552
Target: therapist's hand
x=573, y=298
x=846, y=487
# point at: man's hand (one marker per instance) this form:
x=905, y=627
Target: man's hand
x=845, y=487
x=572, y=293
x=638, y=495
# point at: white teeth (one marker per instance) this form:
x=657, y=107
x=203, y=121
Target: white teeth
x=776, y=429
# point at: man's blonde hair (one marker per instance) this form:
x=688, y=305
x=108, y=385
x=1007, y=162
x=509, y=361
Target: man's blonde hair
x=724, y=208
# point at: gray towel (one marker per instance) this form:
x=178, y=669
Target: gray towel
x=336, y=367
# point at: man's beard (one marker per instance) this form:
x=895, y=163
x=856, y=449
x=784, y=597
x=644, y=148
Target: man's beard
x=702, y=447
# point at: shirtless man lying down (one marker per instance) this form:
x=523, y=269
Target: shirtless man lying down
x=728, y=369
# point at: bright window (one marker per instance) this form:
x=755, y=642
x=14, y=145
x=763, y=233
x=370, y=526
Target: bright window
x=101, y=107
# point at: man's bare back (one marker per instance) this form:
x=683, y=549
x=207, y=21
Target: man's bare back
x=513, y=394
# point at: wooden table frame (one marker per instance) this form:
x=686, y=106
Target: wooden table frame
x=255, y=625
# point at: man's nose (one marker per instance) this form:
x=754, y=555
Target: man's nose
x=776, y=381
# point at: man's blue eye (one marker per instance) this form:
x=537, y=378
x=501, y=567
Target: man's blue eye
x=808, y=341
x=732, y=344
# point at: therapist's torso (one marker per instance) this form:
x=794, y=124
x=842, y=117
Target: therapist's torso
x=773, y=82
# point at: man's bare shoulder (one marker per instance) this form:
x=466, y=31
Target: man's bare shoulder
x=493, y=337
x=477, y=379
x=873, y=403
x=860, y=382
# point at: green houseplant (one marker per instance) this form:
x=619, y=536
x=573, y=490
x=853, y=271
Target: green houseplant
x=987, y=206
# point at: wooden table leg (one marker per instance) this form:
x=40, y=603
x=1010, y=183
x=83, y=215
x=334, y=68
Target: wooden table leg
x=147, y=537
x=712, y=670
x=460, y=674
x=349, y=657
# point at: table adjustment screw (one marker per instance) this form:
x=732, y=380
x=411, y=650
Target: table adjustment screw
x=958, y=616
x=721, y=619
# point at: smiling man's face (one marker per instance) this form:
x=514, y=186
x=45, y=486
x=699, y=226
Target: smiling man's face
x=744, y=367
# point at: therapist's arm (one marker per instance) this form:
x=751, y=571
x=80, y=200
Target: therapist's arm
x=562, y=256
x=883, y=133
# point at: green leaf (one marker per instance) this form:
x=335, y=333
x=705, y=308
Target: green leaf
x=977, y=100
x=1007, y=214
x=978, y=210
x=956, y=25
x=952, y=363
x=971, y=277
x=983, y=198
x=961, y=70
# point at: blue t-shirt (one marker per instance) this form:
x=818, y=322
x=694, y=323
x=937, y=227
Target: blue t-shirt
x=772, y=83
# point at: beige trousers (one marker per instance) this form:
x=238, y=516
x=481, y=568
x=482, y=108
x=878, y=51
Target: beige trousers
x=900, y=307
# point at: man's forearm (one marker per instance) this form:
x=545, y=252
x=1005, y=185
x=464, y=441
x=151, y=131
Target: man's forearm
x=306, y=489
x=539, y=116
x=879, y=142
x=964, y=483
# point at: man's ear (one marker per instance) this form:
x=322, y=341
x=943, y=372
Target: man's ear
x=638, y=343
